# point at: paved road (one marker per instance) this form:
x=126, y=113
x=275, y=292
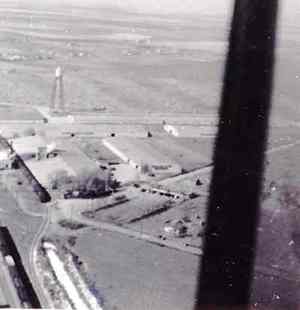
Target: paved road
x=34, y=272
x=93, y=117
x=43, y=295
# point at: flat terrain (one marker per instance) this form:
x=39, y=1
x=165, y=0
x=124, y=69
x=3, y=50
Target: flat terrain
x=131, y=274
x=111, y=59
x=24, y=113
x=127, y=62
x=119, y=69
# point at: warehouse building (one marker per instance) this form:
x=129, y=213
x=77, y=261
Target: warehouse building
x=139, y=154
x=32, y=147
x=189, y=131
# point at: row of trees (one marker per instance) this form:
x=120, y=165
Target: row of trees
x=30, y=131
x=89, y=182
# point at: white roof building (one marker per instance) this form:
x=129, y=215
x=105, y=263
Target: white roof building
x=4, y=155
x=191, y=131
x=29, y=146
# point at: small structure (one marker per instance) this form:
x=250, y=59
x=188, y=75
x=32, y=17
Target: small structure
x=172, y=130
x=176, y=228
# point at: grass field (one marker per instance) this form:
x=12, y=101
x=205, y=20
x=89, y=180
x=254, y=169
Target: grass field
x=125, y=63
x=131, y=274
x=15, y=113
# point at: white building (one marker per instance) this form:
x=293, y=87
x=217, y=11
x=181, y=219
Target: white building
x=31, y=146
x=191, y=131
x=138, y=153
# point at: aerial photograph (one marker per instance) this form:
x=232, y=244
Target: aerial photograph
x=111, y=131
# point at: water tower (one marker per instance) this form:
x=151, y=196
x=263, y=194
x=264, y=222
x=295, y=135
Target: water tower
x=57, y=104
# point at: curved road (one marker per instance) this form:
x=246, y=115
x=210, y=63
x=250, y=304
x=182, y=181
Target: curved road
x=38, y=285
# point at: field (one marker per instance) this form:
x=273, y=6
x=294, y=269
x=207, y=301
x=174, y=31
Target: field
x=13, y=113
x=193, y=210
x=124, y=65
x=127, y=63
x=131, y=274
x=132, y=207
x=283, y=166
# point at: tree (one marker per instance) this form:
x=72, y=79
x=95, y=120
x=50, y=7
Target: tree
x=90, y=182
x=59, y=178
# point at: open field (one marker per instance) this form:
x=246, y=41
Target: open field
x=283, y=136
x=134, y=206
x=131, y=274
x=122, y=64
x=127, y=62
x=25, y=113
x=193, y=210
x=283, y=166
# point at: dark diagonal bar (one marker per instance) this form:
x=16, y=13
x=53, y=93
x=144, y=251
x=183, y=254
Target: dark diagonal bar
x=233, y=209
